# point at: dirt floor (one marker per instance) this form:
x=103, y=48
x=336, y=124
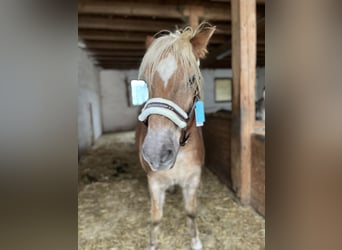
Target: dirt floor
x=113, y=206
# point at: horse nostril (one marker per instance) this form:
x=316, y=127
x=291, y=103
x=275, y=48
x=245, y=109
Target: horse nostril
x=166, y=156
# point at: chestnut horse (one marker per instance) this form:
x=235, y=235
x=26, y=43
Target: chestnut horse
x=171, y=148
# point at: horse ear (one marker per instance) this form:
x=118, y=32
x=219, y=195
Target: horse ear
x=149, y=40
x=200, y=41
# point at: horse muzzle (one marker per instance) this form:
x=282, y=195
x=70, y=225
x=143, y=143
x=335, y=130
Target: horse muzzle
x=160, y=150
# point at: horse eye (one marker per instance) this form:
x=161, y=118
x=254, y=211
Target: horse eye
x=192, y=80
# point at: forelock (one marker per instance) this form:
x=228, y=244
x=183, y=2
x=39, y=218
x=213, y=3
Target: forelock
x=179, y=46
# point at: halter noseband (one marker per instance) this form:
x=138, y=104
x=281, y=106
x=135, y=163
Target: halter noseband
x=169, y=109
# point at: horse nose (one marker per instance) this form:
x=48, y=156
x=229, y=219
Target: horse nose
x=159, y=159
x=166, y=155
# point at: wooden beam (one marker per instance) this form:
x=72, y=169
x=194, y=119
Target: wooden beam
x=130, y=9
x=243, y=110
x=108, y=35
x=228, y=1
x=261, y=42
x=117, y=58
x=222, y=64
x=123, y=24
x=217, y=14
x=193, y=13
x=117, y=52
x=163, y=11
x=118, y=65
x=114, y=45
x=212, y=55
x=223, y=29
x=261, y=27
x=148, y=26
x=220, y=39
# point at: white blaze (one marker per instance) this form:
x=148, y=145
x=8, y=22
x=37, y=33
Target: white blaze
x=166, y=68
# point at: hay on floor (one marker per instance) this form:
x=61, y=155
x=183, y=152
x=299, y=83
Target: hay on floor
x=113, y=210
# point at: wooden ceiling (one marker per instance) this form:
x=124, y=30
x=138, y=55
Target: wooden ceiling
x=114, y=32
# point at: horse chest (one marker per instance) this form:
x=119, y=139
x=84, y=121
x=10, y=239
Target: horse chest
x=182, y=172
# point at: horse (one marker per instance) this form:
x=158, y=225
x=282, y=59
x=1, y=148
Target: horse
x=170, y=145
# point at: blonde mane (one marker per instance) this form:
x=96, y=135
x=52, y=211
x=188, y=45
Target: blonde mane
x=177, y=44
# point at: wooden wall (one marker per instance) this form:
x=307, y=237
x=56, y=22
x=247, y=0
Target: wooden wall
x=217, y=136
x=217, y=139
x=258, y=173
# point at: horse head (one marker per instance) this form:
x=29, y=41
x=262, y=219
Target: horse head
x=170, y=67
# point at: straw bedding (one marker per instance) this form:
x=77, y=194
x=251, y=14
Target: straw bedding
x=113, y=206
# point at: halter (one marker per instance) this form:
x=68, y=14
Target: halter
x=169, y=109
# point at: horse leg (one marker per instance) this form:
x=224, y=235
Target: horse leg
x=190, y=200
x=157, y=195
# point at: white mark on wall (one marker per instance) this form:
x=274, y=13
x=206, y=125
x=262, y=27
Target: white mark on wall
x=166, y=68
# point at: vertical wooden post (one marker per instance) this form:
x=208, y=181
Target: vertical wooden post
x=193, y=13
x=243, y=110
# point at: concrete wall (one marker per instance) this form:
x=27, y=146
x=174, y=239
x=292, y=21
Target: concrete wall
x=209, y=76
x=260, y=83
x=259, y=94
x=117, y=115
x=89, y=125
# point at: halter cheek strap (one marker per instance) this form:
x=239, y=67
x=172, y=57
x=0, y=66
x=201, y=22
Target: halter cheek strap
x=164, y=107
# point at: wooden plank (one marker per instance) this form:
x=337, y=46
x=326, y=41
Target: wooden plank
x=217, y=14
x=217, y=136
x=223, y=29
x=117, y=52
x=114, y=45
x=243, y=111
x=162, y=11
x=130, y=9
x=193, y=13
x=123, y=24
x=116, y=64
x=117, y=59
x=220, y=39
x=228, y=1
x=212, y=55
x=115, y=56
x=222, y=64
x=139, y=25
x=107, y=35
x=119, y=66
